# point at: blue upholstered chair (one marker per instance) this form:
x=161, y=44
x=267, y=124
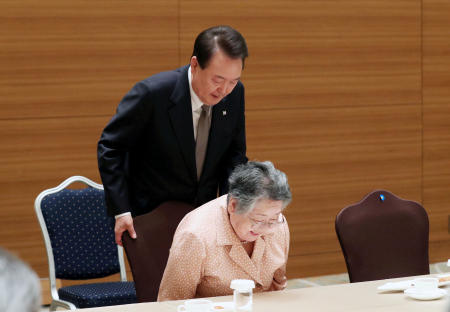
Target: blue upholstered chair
x=79, y=238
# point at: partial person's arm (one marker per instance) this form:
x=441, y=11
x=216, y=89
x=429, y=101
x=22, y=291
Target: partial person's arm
x=119, y=137
x=236, y=153
x=279, y=278
x=184, y=268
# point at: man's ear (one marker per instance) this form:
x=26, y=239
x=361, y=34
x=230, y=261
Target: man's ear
x=194, y=64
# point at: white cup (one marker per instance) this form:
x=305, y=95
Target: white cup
x=195, y=305
x=426, y=284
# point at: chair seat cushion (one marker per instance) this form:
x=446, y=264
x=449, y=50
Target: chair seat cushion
x=99, y=294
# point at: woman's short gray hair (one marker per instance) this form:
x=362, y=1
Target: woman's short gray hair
x=20, y=289
x=257, y=180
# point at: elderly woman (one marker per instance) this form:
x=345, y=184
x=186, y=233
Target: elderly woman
x=242, y=235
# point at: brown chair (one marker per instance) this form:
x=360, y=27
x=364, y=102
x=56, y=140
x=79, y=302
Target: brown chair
x=383, y=236
x=148, y=253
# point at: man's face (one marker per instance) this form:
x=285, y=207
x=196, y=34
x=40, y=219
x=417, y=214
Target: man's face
x=218, y=79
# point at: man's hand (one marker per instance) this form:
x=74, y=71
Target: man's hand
x=124, y=223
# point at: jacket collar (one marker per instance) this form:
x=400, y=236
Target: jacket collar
x=227, y=237
x=181, y=118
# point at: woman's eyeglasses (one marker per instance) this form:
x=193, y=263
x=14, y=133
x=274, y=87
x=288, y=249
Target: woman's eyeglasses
x=269, y=224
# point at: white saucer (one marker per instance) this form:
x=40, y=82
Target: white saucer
x=403, y=285
x=429, y=295
x=223, y=306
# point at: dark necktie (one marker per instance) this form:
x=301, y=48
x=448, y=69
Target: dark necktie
x=204, y=122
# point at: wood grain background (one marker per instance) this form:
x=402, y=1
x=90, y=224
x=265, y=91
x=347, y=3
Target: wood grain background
x=344, y=96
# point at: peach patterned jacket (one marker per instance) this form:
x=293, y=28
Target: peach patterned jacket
x=206, y=255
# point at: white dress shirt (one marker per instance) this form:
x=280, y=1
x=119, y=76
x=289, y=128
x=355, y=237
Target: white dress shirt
x=196, y=104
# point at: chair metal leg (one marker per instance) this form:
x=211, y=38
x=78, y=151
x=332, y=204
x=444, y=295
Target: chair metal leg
x=63, y=304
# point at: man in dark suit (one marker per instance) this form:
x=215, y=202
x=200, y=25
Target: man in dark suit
x=177, y=135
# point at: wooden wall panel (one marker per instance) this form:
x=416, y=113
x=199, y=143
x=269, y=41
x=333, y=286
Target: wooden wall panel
x=436, y=124
x=333, y=157
x=77, y=58
x=321, y=264
x=319, y=53
x=64, y=67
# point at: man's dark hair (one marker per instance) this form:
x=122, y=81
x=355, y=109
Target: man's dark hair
x=223, y=38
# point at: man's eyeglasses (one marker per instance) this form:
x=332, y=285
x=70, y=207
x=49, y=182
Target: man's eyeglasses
x=269, y=224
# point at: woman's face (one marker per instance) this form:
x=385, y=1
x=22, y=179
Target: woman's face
x=261, y=220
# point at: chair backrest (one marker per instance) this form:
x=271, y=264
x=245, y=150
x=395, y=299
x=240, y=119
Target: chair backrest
x=148, y=253
x=383, y=236
x=78, y=234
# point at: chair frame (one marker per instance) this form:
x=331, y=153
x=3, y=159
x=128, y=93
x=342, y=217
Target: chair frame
x=56, y=302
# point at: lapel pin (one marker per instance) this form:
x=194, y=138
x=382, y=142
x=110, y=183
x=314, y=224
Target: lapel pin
x=224, y=112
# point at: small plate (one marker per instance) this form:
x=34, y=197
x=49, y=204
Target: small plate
x=428, y=295
x=396, y=286
x=223, y=306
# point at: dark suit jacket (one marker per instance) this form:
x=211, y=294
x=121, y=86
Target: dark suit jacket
x=146, y=153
